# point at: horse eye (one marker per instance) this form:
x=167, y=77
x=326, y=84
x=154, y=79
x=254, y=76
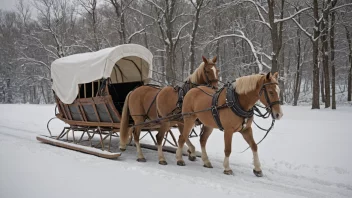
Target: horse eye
x=271, y=93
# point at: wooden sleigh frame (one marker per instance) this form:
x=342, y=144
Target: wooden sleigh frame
x=95, y=113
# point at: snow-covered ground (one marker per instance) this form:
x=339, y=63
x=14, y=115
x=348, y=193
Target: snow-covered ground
x=306, y=155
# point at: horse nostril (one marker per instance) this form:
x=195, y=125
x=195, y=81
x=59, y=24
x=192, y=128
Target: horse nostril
x=277, y=115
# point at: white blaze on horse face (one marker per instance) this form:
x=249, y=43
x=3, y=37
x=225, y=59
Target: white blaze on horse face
x=214, y=70
x=277, y=89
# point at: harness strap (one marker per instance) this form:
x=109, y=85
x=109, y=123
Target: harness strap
x=182, y=92
x=214, y=109
x=150, y=106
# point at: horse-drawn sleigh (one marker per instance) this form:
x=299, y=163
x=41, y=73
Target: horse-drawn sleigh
x=107, y=93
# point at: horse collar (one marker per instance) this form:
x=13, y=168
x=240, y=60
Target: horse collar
x=232, y=102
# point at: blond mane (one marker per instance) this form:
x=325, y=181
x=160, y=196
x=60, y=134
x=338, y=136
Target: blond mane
x=247, y=84
x=196, y=74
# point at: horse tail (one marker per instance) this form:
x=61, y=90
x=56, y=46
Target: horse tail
x=124, y=127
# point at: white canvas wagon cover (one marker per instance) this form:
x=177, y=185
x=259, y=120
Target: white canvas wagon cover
x=133, y=63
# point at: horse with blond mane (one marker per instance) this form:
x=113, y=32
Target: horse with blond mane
x=150, y=102
x=229, y=109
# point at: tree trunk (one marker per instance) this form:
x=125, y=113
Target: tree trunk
x=282, y=74
x=315, y=99
x=349, y=84
x=146, y=40
x=94, y=24
x=123, y=27
x=43, y=92
x=325, y=52
x=297, y=85
x=193, y=35
x=9, y=91
x=332, y=58
x=163, y=66
x=276, y=33
x=322, y=86
x=217, y=33
x=183, y=65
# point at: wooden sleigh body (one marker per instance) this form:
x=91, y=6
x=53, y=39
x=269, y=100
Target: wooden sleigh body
x=93, y=118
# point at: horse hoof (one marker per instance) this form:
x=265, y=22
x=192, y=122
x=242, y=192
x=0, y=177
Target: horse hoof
x=162, y=162
x=228, y=172
x=181, y=163
x=258, y=173
x=192, y=158
x=141, y=160
x=208, y=165
x=122, y=149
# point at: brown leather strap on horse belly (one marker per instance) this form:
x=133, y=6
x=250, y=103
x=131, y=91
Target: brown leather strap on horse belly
x=214, y=109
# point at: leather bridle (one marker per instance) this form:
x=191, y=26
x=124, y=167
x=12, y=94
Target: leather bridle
x=263, y=89
x=208, y=81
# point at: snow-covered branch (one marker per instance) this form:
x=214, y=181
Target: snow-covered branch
x=142, y=13
x=156, y=5
x=292, y=16
x=341, y=6
x=179, y=32
x=310, y=36
x=249, y=42
x=259, y=12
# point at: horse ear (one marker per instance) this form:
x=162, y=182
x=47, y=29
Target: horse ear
x=204, y=60
x=214, y=59
x=268, y=76
x=276, y=75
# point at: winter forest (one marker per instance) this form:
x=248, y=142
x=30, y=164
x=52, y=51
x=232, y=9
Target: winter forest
x=309, y=42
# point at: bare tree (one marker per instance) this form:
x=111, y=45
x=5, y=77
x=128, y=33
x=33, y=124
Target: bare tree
x=167, y=15
x=332, y=56
x=90, y=6
x=349, y=84
x=198, y=6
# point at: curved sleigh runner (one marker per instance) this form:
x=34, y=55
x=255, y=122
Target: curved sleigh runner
x=90, y=90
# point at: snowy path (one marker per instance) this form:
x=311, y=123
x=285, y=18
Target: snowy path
x=313, y=162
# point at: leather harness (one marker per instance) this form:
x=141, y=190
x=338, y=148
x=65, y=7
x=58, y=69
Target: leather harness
x=232, y=102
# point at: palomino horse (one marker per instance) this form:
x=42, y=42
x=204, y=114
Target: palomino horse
x=140, y=105
x=169, y=101
x=230, y=109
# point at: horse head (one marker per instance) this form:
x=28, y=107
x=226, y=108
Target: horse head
x=269, y=95
x=211, y=73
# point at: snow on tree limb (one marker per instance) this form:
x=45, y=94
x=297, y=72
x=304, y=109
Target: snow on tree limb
x=341, y=6
x=310, y=36
x=292, y=16
x=259, y=12
x=249, y=42
x=179, y=32
x=142, y=13
x=156, y=5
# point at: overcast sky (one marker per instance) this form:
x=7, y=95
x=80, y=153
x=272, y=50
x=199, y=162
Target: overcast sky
x=7, y=4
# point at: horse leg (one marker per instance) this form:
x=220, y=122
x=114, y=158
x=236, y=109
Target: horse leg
x=248, y=136
x=203, y=141
x=159, y=138
x=228, y=143
x=188, y=125
x=191, y=149
x=137, y=132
